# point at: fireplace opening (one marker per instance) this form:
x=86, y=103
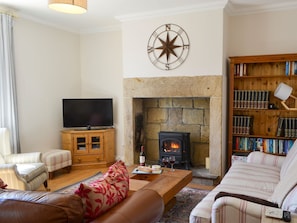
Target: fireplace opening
x=175, y=144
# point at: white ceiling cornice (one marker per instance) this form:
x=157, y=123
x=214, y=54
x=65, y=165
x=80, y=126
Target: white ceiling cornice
x=173, y=11
x=235, y=9
x=106, y=16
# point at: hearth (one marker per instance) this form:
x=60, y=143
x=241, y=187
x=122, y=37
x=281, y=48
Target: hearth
x=175, y=144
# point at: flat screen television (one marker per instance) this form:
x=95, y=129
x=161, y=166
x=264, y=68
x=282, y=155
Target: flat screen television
x=87, y=112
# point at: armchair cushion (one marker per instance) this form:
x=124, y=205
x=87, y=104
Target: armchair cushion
x=34, y=157
x=31, y=170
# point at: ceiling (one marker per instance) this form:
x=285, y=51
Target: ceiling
x=104, y=15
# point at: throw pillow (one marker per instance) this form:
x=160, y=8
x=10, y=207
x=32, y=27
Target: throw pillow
x=101, y=195
x=2, y=184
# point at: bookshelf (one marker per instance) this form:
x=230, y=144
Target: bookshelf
x=256, y=119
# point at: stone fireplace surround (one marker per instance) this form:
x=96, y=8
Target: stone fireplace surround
x=176, y=87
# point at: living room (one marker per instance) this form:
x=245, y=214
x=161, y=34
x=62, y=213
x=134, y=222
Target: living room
x=53, y=63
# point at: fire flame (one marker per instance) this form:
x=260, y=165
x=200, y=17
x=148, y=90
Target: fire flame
x=171, y=147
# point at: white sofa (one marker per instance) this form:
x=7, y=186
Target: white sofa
x=263, y=178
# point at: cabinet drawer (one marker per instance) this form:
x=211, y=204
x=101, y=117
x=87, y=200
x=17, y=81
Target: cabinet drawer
x=87, y=159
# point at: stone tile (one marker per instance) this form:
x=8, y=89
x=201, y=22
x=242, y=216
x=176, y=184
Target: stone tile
x=182, y=102
x=165, y=102
x=157, y=115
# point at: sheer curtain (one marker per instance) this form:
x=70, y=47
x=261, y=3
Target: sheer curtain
x=8, y=98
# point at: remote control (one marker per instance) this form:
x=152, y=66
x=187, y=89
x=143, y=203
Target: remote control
x=274, y=212
x=286, y=216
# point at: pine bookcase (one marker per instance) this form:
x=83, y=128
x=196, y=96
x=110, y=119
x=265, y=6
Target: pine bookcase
x=256, y=118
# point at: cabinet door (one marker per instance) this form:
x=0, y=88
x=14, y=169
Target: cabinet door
x=80, y=144
x=95, y=143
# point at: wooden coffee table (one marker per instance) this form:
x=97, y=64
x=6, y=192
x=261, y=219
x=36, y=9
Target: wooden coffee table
x=167, y=184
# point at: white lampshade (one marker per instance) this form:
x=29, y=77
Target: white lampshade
x=283, y=91
x=68, y=6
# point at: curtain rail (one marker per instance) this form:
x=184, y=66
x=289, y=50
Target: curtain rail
x=7, y=11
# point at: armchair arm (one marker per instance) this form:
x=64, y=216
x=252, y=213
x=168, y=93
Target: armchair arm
x=235, y=210
x=11, y=177
x=34, y=157
x=266, y=159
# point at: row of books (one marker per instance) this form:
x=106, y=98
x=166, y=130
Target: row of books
x=287, y=127
x=241, y=69
x=291, y=68
x=251, y=99
x=242, y=124
x=277, y=146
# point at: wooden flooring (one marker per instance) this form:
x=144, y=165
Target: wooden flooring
x=62, y=179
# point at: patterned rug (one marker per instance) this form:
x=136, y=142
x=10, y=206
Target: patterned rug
x=186, y=200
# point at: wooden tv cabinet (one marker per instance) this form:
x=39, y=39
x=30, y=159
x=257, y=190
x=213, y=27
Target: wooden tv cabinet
x=90, y=148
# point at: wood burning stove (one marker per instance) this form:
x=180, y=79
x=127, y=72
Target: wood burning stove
x=175, y=144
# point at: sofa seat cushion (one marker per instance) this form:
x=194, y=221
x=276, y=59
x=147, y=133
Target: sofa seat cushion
x=29, y=171
x=251, y=175
x=101, y=195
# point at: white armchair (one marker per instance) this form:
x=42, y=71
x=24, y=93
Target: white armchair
x=24, y=171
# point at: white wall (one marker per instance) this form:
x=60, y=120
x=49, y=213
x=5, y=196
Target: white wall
x=265, y=33
x=47, y=70
x=205, y=31
x=52, y=64
x=101, y=74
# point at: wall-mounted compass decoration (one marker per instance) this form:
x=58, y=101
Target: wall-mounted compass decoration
x=168, y=46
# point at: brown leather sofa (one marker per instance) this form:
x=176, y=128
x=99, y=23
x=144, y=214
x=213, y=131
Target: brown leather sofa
x=47, y=207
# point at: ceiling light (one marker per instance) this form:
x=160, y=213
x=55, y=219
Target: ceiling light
x=68, y=6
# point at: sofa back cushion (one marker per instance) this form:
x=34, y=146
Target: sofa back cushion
x=290, y=202
x=290, y=160
x=288, y=179
x=37, y=206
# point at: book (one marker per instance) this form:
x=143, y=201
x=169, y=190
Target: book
x=279, y=131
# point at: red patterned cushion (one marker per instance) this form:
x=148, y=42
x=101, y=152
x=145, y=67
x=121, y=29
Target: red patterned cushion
x=2, y=184
x=102, y=194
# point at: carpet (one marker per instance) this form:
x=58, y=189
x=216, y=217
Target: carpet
x=73, y=187
x=186, y=200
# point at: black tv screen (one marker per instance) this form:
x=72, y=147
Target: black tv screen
x=88, y=112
